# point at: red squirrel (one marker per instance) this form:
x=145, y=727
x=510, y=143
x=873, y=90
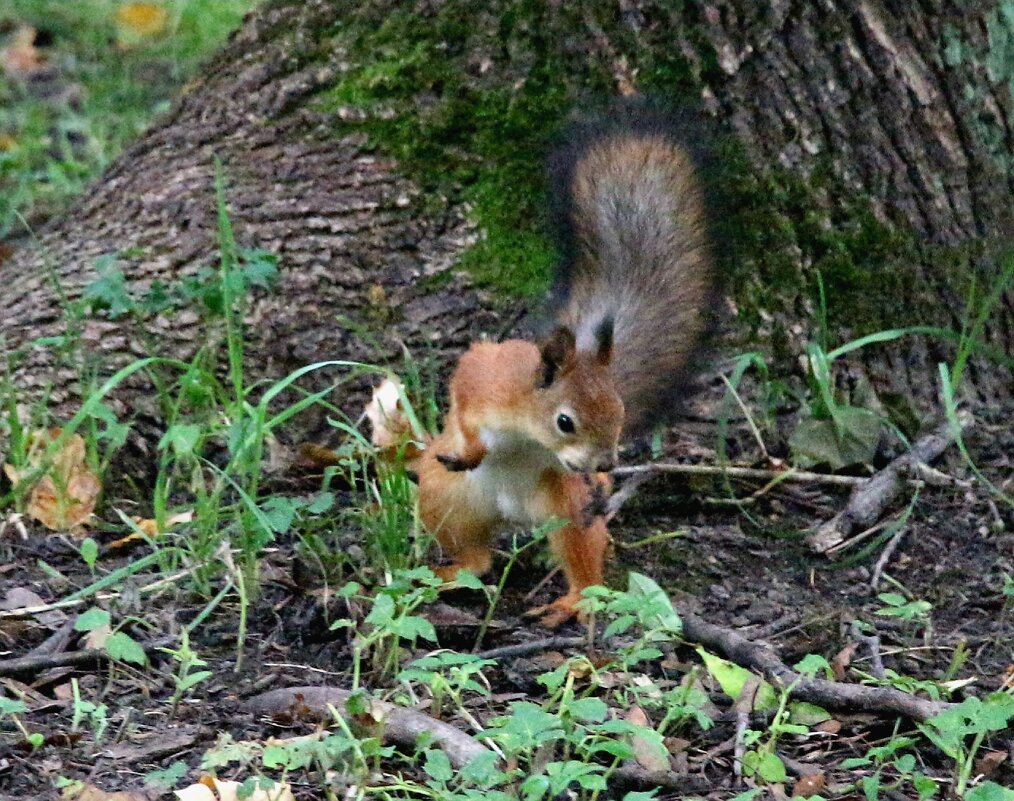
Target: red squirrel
x=533, y=429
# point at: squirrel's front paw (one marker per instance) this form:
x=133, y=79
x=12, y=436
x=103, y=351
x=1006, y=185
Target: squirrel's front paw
x=454, y=463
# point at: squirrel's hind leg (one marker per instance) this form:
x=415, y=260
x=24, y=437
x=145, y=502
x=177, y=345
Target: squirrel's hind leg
x=580, y=546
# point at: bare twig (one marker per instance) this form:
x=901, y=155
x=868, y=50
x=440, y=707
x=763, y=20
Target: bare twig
x=746, y=473
x=533, y=647
x=885, y=556
x=30, y=665
x=872, y=643
x=871, y=497
x=400, y=725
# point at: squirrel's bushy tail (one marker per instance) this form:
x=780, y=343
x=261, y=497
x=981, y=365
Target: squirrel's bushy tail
x=633, y=221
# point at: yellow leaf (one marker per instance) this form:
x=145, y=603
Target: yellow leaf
x=141, y=19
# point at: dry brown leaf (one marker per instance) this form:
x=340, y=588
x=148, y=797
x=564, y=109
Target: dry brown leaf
x=65, y=496
x=211, y=789
x=831, y=726
x=808, y=785
x=988, y=763
x=647, y=756
x=89, y=792
x=140, y=20
x=841, y=661
x=97, y=637
x=21, y=58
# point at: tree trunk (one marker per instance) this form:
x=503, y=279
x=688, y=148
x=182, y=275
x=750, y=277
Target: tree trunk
x=388, y=153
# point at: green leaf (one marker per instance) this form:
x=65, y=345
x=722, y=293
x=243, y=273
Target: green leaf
x=382, y=612
x=124, y=648
x=413, y=626
x=732, y=677
x=468, y=580
x=280, y=511
x=771, y=769
x=8, y=706
x=36, y=739
x=807, y=714
x=661, y=615
x=109, y=291
x=322, y=503
x=588, y=710
x=92, y=619
x=989, y=791
x=812, y=664
x=89, y=551
x=182, y=438
x=438, y=766
x=850, y=438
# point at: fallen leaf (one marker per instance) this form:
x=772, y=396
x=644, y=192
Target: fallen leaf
x=649, y=753
x=66, y=494
x=828, y=726
x=64, y=498
x=97, y=637
x=140, y=20
x=149, y=528
x=989, y=762
x=841, y=661
x=808, y=785
x=229, y=791
x=21, y=58
x=82, y=791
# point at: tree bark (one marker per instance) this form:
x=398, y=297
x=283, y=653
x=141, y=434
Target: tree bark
x=876, y=129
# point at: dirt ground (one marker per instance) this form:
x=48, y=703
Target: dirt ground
x=747, y=570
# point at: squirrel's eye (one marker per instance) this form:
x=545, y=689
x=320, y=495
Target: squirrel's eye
x=565, y=423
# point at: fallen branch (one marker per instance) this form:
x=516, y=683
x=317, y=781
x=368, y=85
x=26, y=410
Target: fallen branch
x=532, y=647
x=871, y=497
x=30, y=665
x=830, y=694
x=401, y=726
x=747, y=473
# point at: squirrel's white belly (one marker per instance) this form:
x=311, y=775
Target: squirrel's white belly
x=508, y=477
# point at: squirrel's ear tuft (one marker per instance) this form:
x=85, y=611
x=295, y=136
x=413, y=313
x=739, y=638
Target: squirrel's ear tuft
x=604, y=341
x=557, y=353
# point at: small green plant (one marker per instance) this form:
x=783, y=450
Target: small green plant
x=10, y=708
x=84, y=710
x=119, y=645
x=900, y=607
x=959, y=732
x=892, y=770
x=187, y=675
x=390, y=620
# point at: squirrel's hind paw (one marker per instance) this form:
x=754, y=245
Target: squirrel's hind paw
x=558, y=612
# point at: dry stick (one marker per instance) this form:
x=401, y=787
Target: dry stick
x=870, y=498
x=749, y=473
x=836, y=695
x=885, y=557
x=401, y=726
x=31, y=665
x=535, y=646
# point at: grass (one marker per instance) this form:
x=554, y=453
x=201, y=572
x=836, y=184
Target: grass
x=107, y=84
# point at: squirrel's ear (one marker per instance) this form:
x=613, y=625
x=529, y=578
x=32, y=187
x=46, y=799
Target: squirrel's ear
x=604, y=341
x=557, y=353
